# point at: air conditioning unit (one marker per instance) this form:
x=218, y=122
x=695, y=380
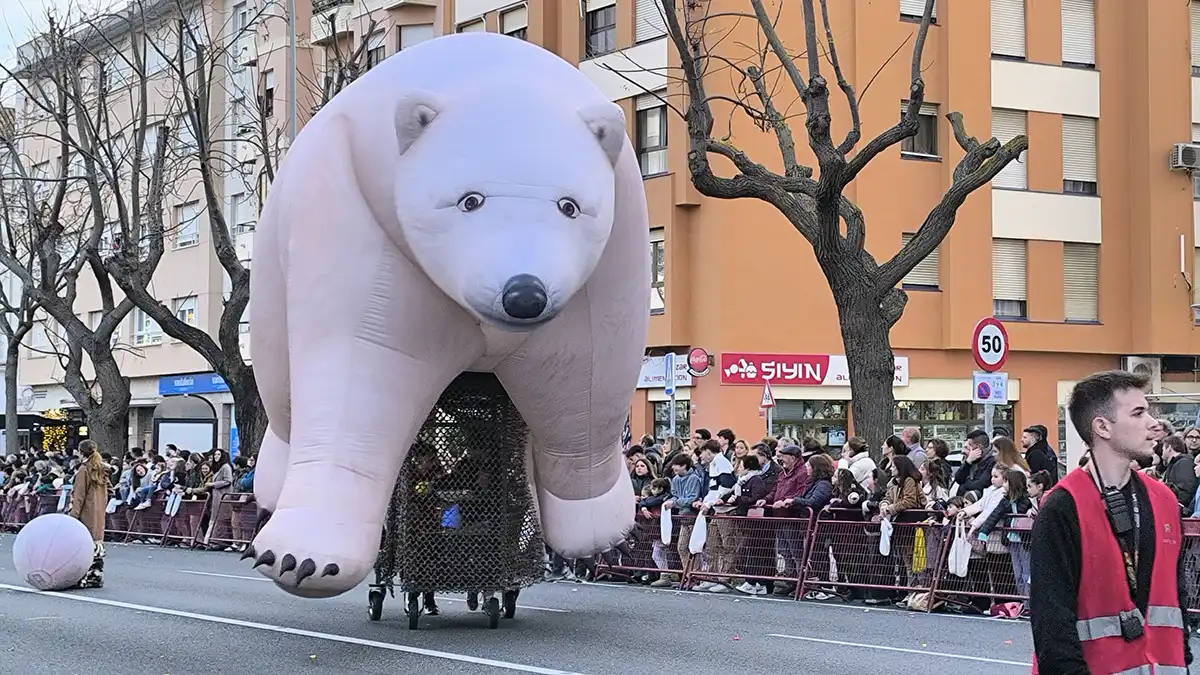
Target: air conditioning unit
x=1185, y=157
x=1150, y=366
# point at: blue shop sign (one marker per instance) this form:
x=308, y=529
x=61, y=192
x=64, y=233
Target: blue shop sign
x=199, y=383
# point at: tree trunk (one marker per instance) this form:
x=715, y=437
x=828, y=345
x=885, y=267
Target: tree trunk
x=108, y=426
x=250, y=414
x=12, y=442
x=108, y=419
x=865, y=334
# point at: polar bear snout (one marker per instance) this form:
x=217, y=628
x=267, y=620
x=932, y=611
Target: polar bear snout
x=524, y=298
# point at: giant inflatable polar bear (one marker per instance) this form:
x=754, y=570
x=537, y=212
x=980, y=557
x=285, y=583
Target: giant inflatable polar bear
x=472, y=203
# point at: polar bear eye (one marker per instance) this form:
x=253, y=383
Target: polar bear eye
x=470, y=202
x=568, y=207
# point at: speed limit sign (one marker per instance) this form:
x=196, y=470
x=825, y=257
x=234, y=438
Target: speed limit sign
x=989, y=345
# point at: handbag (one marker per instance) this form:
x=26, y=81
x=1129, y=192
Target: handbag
x=699, y=535
x=995, y=543
x=665, y=526
x=960, y=551
x=919, y=561
x=885, y=537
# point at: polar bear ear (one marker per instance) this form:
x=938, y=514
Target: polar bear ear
x=414, y=112
x=607, y=123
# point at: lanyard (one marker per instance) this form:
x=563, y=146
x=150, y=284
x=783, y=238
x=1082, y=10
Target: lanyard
x=1129, y=549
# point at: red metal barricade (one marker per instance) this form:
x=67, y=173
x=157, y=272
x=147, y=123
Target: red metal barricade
x=147, y=523
x=998, y=571
x=756, y=549
x=844, y=556
x=646, y=554
x=183, y=528
x=232, y=522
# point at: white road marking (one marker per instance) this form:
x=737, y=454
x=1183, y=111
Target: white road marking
x=921, y=652
x=299, y=632
x=439, y=597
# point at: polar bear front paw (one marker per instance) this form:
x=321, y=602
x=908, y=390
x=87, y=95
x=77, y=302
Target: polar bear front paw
x=309, y=555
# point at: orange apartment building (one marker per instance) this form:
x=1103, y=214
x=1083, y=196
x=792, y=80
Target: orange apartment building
x=1086, y=249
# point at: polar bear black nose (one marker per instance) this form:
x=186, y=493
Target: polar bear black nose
x=524, y=297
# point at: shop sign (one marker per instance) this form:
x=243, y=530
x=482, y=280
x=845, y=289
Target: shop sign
x=198, y=383
x=653, y=373
x=810, y=370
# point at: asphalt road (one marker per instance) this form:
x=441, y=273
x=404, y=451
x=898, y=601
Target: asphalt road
x=183, y=612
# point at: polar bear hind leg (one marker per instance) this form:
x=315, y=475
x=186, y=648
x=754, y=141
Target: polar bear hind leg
x=372, y=346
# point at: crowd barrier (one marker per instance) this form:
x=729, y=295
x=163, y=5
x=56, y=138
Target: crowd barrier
x=196, y=522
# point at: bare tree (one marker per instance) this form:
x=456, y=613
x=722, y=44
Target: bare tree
x=91, y=157
x=867, y=293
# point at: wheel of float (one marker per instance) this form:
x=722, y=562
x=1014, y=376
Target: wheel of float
x=414, y=610
x=375, y=605
x=472, y=601
x=510, y=603
x=493, y=612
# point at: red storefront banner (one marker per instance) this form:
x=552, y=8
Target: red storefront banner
x=812, y=370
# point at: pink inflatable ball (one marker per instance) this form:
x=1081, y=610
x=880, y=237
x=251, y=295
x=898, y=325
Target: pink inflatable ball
x=53, y=552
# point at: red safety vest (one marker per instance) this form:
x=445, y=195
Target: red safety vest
x=1104, y=592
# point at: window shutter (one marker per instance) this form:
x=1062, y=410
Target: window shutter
x=514, y=19
x=1006, y=125
x=651, y=100
x=915, y=8
x=375, y=41
x=926, y=273
x=1080, y=282
x=930, y=109
x=415, y=34
x=473, y=27
x=1194, y=15
x=1079, y=148
x=1196, y=133
x=1195, y=271
x=1079, y=31
x=648, y=22
x=593, y=5
x=1008, y=269
x=1008, y=27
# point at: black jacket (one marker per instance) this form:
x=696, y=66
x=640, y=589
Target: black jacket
x=977, y=476
x=1040, y=457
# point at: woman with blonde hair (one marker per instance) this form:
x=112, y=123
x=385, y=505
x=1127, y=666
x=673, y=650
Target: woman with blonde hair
x=1007, y=455
x=89, y=498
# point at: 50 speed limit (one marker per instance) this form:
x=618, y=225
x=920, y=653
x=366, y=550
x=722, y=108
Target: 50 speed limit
x=990, y=344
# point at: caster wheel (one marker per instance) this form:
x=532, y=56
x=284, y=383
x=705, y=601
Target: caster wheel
x=375, y=605
x=510, y=603
x=493, y=612
x=413, y=610
x=472, y=601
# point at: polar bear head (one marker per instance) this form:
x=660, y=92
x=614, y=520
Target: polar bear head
x=505, y=198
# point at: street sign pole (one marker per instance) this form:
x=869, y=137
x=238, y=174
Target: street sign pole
x=989, y=414
x=768, y=402
x=669, y=386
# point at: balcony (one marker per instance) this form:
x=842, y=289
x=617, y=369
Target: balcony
x=243, y=244
x=322, y=5
x=245, y=50
x=385, y=5
x=341, y=12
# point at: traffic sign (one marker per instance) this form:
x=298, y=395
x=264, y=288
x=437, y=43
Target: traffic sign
x=768, y=398
x=699, y=362
x=989, y=388
x=669, y=374
x=989, y=344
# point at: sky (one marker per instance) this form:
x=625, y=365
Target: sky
x=21, y=19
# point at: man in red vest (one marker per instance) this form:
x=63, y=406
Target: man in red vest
x=1108, y=593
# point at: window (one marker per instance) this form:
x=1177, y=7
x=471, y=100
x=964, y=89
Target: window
x=150, y=143
x=414, y=34
x=241, y=214
x=927, y=272
x=155, y=51
x=376, y=49
x=39, y=340
x=94, y=319
x=185, y=309
x=1079, y=33
x=119, y=68
x=41, y=175
x=658, y=270
x=1008, y=28
x=648, y=21
x=185, y=137
x=237, y=116
x=241, y=18
x=187, y=224
x=477, y=26
x=925, y=143
x=913, y=10
x=145, y=329
x=1081, y=282
x=1079, y=155
x=1194, y=16
x=1008, y=278
x=1007, y=125
x=652, y=133
x=267, y=102
x=515, y=22
x=1196, y=174
x=601, y=30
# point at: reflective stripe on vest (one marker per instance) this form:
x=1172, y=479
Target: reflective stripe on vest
x=1110, y=626
x=1157, y=670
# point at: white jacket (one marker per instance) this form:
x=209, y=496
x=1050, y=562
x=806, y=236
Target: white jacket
x=861, y=465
